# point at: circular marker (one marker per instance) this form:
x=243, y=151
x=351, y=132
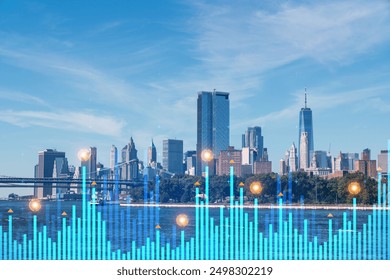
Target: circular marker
x=35, y=205
x=182, y=220
x=84, y=154
x=354, y=188
x=256, y=187
x=207, y=155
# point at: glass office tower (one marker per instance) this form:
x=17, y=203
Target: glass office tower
x=212, y=124
x=306, y=125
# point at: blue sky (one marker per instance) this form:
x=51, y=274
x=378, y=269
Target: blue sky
x=75, y=74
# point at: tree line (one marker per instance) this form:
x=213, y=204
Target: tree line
x=305, y=188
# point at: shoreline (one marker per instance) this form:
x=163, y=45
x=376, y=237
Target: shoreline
x=268, y=206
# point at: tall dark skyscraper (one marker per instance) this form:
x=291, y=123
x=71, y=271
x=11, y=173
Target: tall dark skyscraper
x=152, y=154
x=212, y=124
x=173, y=156
x=129, y=152
x=129, y=166
x=306, y=125
x=254, y=140
x=45, y=169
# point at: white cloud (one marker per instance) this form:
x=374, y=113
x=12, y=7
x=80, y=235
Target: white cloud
x=73, y=121
x=21, y=97
x=77, y=73
x=240, y=43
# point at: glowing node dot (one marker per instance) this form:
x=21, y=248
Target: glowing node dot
x=207, y=155
x=354, y=188
x=84, y=155
x=256, y=187
x=35, y=205
x=182, y=220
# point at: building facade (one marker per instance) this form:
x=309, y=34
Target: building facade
x=366, y=165
x=173, y=156
x=254, y=140
x=293, y=159
x=227, y=158
x=344, y=162
x=152, y=154
x=213, y=119
x=262, y=167
x=306, y=125
x=45, y=169
x=383, y=161
x=304, y=151
x=129, y=167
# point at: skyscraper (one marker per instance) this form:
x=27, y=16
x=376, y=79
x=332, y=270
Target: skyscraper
x=152, y=154
x=129, y=152
x=254, y=140
x=366, y=154
x=113, y=157
x=173, y=156
x=304, y=151
x=345, y=161
x=306, y=125
x=383, y=161
x=129, y=166
x=189, y=162
x=212, y=124
x=60, y=170
x=366, y=165
x=90, y=164
x=293, y=162
x=45, y=169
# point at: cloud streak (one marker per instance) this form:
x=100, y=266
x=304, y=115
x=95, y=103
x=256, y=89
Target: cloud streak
x=21, y=97
x=79, y=74
x=239, y=51
x=71, y=121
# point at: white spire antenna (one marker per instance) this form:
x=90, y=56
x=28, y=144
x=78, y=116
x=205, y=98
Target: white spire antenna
x=305, y=99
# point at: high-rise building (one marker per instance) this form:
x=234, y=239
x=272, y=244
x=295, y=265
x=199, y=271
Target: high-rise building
x=45, y=169
x=189, y=162
x=345, y=162
x=227, y=158
x=264, y=156
x=282, y=167
x=284, y=164
x=113, y=157
x=90, y=164
x=152, y=154
x=129, y=152
x=60, y=170
x=366, y=154
x=306, y=125
x=254, y=140
x=366, y=165
x=262, y=167
x=129, y=166
x=249, y=156
x=212, y=124
x=293, y=160
x=383, y=161
x=323, y=159
x=173, y=156
x=304, y=151
x=320, y=164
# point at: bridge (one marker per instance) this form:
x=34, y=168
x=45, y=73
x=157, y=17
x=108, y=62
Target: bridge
x=66, y=183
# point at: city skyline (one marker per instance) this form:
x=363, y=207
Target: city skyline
x=70, y=82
